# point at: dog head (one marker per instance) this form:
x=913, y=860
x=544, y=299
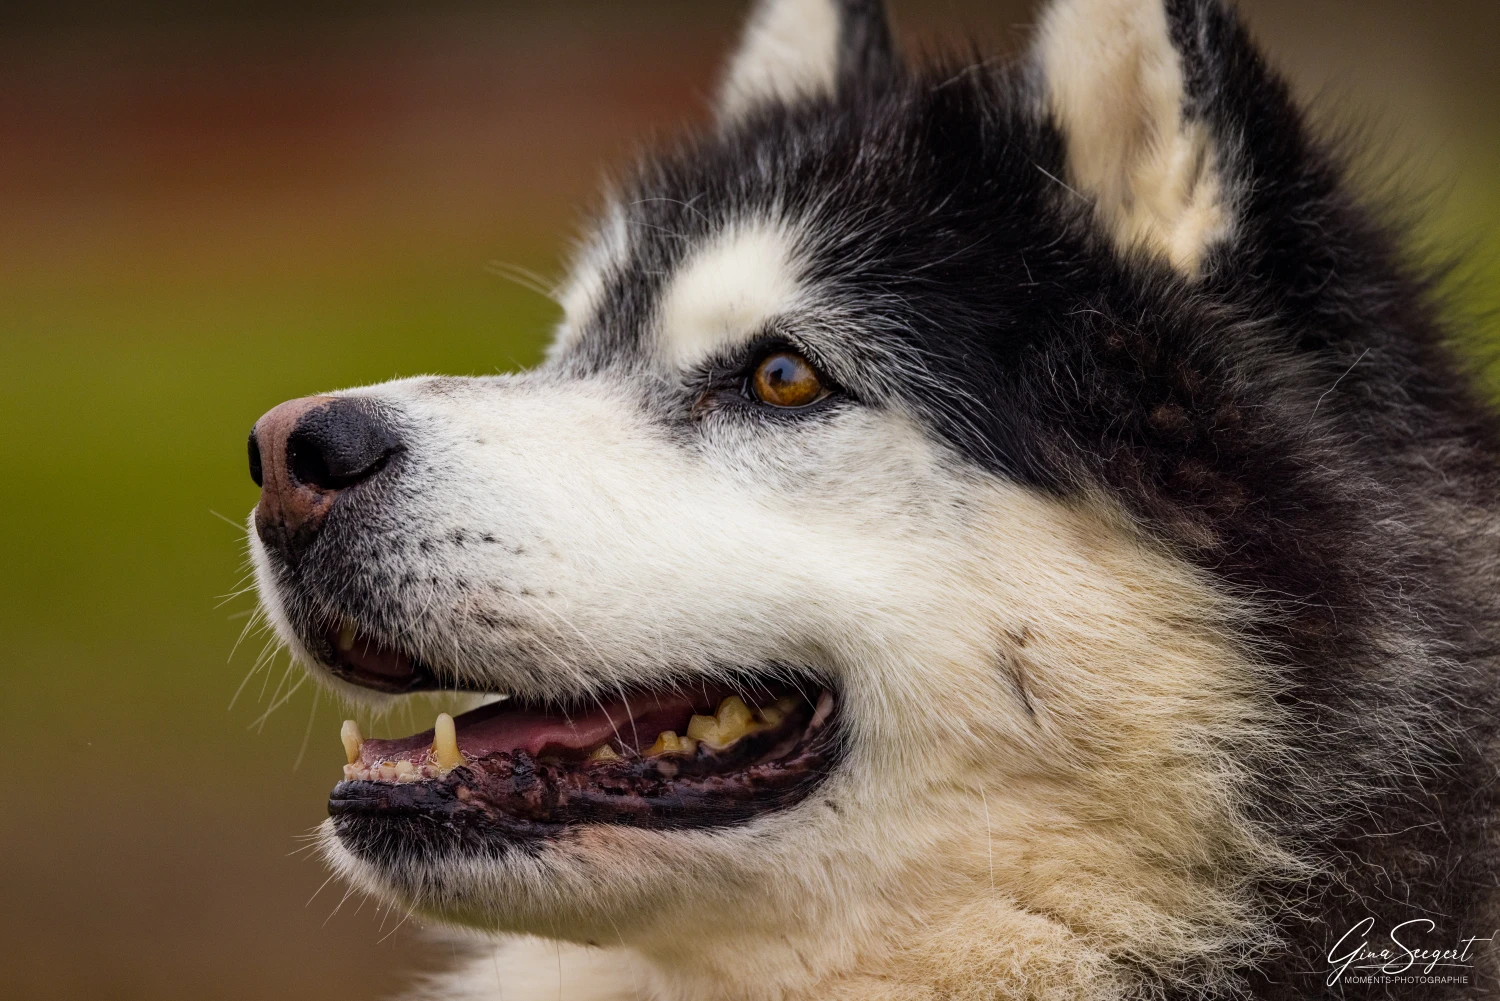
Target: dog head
x=859, y=566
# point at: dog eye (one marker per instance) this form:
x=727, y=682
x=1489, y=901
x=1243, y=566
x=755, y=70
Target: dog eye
x=786, y=379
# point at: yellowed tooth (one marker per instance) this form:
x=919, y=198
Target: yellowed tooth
x=734, y=714
x=352, y=740
x=445, y=743
x=733, y=721
x=774, y=713
x=604, y=753
x=667, y=742
x=347, y=632
x=705, y=728
x=405, y=771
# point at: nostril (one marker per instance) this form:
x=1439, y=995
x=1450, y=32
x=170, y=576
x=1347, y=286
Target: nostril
x=256, y=473
x=339, y=445
x=312, y=464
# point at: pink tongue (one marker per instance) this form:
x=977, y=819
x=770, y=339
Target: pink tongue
x=507, y=727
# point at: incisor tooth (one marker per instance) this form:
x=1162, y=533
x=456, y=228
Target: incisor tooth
x=352, y=740
x=604, y=753
x=445, y=743
x=346, y=636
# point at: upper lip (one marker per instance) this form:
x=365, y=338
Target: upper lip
x=363, y=660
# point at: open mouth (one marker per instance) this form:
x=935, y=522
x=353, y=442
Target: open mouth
x=679, y=756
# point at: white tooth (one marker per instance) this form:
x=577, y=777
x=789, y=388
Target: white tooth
x=352, y=740
x=387, y=771
x=445, y=743
x=346, y=636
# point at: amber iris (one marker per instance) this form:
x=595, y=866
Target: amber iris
x=786, y=379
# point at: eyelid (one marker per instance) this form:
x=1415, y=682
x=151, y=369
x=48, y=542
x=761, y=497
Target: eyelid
x=731, y=370
x=778, y=343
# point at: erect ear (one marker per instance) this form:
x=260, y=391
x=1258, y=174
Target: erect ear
x=795, y=49
x=1128, y=84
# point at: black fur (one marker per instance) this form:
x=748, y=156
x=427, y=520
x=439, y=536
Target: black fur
x=1292, y=421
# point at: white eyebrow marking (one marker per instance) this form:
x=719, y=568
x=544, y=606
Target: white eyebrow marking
x=725, y=292
x=581, y=295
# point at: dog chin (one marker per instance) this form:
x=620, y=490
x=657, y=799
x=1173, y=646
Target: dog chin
x=597, y=884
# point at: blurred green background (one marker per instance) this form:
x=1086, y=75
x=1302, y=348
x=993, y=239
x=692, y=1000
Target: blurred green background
x=206, y=211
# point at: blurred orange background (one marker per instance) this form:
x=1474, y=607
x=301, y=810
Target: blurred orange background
x=205, y=211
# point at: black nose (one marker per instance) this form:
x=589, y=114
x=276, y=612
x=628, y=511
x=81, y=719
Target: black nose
x=337, y=446
x=302, y=454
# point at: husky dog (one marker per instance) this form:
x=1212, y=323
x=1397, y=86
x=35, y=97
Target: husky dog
x=981, y=531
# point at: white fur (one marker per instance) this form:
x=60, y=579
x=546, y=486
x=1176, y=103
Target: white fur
x=728, y=291
x=790, y=51
x=1115, y=87
x=515, y=969
x=944, y=602
x=604, y=251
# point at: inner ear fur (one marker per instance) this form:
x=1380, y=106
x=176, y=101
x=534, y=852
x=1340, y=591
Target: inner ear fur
x=794, y=50
x=1116, y=89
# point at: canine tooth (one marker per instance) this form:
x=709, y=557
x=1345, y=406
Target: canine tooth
x=604, y=753
x=445, y=743
x=347, y=631
x=352, y=740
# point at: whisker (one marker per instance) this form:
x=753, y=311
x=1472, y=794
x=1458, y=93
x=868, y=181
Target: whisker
x=239, y=526
x=524, y=277
x=307, y=734
x=278, y=704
